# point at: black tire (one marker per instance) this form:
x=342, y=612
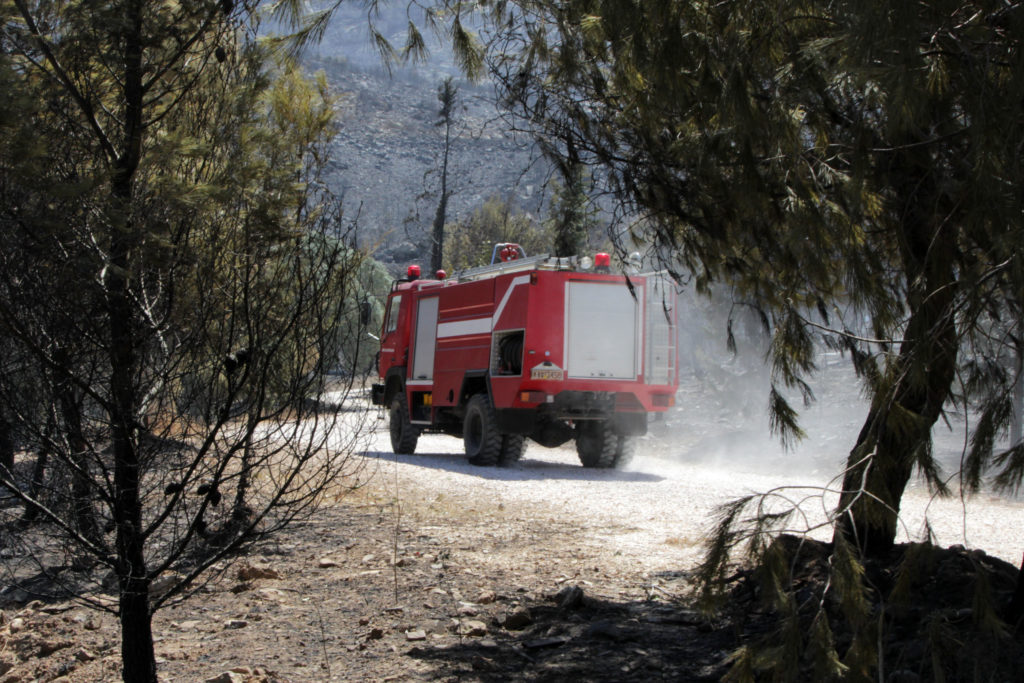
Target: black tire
x=596, y=443
x=404, y=434
x=624, y=451
x=512, y=448
x=480, y=432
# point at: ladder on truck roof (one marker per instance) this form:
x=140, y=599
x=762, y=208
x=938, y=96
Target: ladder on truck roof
x=515, y=266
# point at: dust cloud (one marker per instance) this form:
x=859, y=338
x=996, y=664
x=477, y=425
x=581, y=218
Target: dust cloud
x=721, y=415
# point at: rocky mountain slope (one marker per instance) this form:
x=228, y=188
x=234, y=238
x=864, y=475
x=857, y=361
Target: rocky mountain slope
x=387, y=155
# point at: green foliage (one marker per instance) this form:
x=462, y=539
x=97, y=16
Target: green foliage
x=470, y=242
x=572, y=219
x=855, y=158
x=174, y=282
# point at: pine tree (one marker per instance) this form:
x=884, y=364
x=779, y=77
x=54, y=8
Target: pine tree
x=447, y=96
x=171, y=287
x=817, y=157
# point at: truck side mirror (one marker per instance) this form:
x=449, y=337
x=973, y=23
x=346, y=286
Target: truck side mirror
x=364, y=312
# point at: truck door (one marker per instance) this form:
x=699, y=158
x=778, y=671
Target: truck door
x=426, y=340
x=394, y=338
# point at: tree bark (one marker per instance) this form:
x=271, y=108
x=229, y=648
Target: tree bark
x=897, y=428
x=437, y=251
x=1017, y=413
x=897, y=433
x=446, y=95
x=6, y=446
x=78, y=448
x=137, y=655
x=35, y=486
x=138, y=661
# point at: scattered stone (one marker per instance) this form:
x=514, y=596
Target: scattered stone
x=163, y=583
x=92, y=624
x=367, y=559
x=364, y=621
x=472, y=628
x=570, y=597
x=188, y=625
x=56, y=609
x=235, y=623
x=253, y=572
x=227, y=677
x=48, y=647
x=271, y=593
x=467, y=610
x=417, y=634
x=327, y=563
x=375, y=634
x=17, y=625
x=486, y=597
x=545, y=642
x=518, y=619
x=402, y=562
x=83, y=655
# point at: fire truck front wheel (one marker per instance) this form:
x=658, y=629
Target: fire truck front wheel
x=403, y=434
x=480, y=432
x=512, y=448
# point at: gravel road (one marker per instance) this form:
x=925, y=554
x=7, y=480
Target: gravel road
x=654, y=516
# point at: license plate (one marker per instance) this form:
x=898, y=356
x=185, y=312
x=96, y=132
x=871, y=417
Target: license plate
x=556, y=374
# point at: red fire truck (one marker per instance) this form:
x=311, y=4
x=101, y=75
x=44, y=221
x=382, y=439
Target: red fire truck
x=547, y=348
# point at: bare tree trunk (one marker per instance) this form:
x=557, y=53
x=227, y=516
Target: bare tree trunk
x=446, y=95
x=137, y=655
x=35, y=485
x=240, y=511
x=897, y=433
x=437, y=251
x=6, y=446
x=78, y=461
x=1017, y=413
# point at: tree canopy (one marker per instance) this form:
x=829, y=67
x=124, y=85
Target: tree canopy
x=174, y=282
x=834, y=163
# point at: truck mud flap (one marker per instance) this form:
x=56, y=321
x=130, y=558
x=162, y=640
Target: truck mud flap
x=629, y=424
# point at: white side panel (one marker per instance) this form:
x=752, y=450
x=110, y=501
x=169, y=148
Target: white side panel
x=426, y=339
x=602, y=330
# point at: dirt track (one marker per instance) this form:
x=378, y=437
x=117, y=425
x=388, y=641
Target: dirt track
x=387, y=582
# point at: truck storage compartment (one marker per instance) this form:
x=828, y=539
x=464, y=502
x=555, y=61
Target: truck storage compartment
x=602, y=321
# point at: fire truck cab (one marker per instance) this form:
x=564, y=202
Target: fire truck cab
x=546, y=348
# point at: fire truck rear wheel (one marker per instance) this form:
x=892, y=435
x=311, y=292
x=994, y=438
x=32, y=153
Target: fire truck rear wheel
x=480, y=432
x=403, y=434
x=512, y=448
x=596, y=444
x=624, y=451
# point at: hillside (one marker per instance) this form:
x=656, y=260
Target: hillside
x=388, y=149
